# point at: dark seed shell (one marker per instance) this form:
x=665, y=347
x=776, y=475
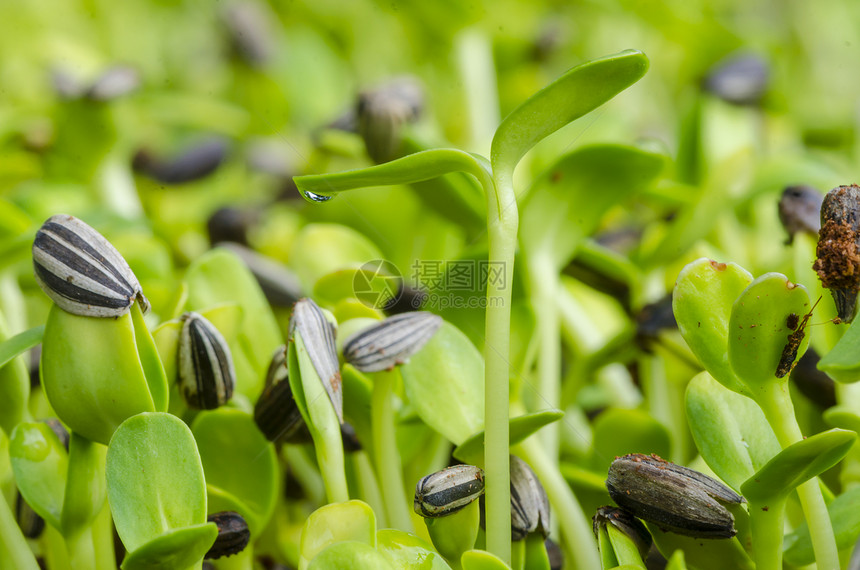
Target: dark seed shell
x=233, y=534
x=446, y=492
x=673, y=497
x=626, y=523
x=31, y=524
x=81, y=271
x=838, y=251
x=206, y=373
x=390, y=342
x=529, y=503
x=276, y=412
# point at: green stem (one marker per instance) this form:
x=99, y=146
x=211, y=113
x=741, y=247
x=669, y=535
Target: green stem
x=13, y=546
x=79, y=544
x=369, y=487
x=502, y=222
x=386, y=455
x=775, y=402
x=578, y=535
x=103, y=540
x=766, y=526
x=544, y=284
x=241, y=561
x=304, y=472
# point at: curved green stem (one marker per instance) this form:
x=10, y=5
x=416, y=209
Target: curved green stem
x=578, y=535
x=386, y=456
x=775, y=402
x=766, y=525
x=369, y=487
x=82, y=554
x=13, y=546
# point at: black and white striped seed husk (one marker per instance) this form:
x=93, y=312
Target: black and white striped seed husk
x=390, y=342
x=317, y=334
x=206, y=373
x=233, y=534
x=529, y=503
x=81, y=271
x=276, y=412
x=447, y=491
x=676, y=498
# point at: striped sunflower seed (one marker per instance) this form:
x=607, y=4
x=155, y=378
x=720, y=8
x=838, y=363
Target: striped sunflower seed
x=447, y=491
x=529, y=503
x=673, y=497
x=233, y=534
x=81, y=271
x=317, y=334
x=206, y=373
x=390, y=342
x=276, y=412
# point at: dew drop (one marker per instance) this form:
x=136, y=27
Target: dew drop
x=316, y=197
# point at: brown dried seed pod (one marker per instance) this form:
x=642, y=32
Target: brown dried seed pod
x=838, y=252
x=233, y=534
x=673, y=497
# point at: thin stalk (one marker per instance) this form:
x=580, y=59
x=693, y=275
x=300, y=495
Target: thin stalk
x=579, y=539
x=775, y=402
x=386, y=455
x=103, y=540
x=369, y=487
x=13, y=546
x=544, y=284
x=766, y=526
x=79, y=544
x=502, y=222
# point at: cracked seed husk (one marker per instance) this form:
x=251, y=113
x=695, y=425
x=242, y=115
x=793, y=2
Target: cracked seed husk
x=206, y=373
x=81, y=271
x=838, y=251
x=447, y=491
x=673, y=497
x=390, y=342
x=627, y=524
x=317, y=333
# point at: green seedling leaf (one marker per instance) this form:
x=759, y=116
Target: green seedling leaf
x=83, y=384
x=702, y=301
x=319, y=414
x=321, y=249
x=150, y=362
x=347, y=309
x=730, y=430
x=482, y=560
x=454, y=534
x=18, y=344
x=702, y=553
x=357, y=393
x=842, y=417
x=85, y=487
x=677, y=561
x=845, y=518
x=40, y=463
x=14, y=377
x=567, y=202
x=408, y=552
x=334, y=523
x=238, y=461
x=350, y=554
x=471, y=451
x=797, y=464
x=767, y=316
x=413, y=168
x=445, y=383
x=580, y=90
x=155, y=483
x=179, y=548
x=220, y=277
x=842, y=363
x=625, y=550
x=619, y=431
